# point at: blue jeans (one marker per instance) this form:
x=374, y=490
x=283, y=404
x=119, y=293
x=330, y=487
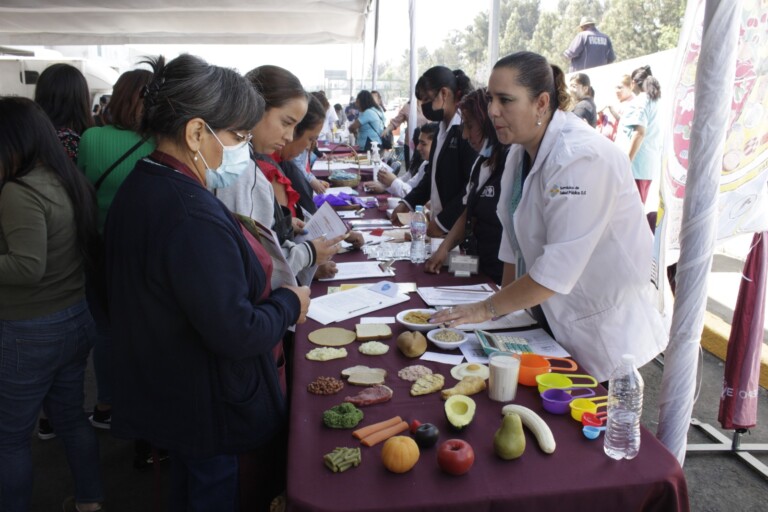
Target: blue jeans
x=42, y=363
x=207, y=484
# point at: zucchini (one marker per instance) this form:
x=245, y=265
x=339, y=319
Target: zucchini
x=536, y=424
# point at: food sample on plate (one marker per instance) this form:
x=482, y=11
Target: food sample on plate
x=447, y=335
x=417, y=317
x=370, y=396
x=326, y=354
x=364, y=376
x=469, y=385
x=427, y=384
x=462, y=370
x=374, y=348
x=331, y=336
x=325, y=386
x=413, y=372
x=371, y=332
x=342, y=458
x=344, y=415
x=412, y=344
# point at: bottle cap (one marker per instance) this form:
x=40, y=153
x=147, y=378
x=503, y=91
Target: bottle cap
x=628, y=359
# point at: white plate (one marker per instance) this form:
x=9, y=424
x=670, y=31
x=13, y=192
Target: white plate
x=416, y=327
x=447, y=345
x=460, y=371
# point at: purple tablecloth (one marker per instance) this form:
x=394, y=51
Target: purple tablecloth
x=578, y=476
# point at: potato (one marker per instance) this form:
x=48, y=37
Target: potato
x=412, y=344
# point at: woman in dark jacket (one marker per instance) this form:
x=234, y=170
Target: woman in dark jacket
x=195, y=322
x=450, y=163
x=478, y=228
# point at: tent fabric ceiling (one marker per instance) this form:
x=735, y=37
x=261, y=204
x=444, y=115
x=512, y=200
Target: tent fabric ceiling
x=62, y=22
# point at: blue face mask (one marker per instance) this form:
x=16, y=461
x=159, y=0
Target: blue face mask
x=234, y=161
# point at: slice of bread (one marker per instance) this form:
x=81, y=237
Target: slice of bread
x=371, y=332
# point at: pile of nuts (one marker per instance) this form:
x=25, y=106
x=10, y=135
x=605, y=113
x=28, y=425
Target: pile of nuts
x=325, y=386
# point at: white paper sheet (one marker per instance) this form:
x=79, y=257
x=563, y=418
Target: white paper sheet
x=325, y=222
x=359, y=270
x=349, y=304
x=378, y=320
x=453, y=295
x=437, y=357
x=339, y=190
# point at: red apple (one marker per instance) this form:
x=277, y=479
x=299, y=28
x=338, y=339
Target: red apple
x=414, y=425
x=455, y=456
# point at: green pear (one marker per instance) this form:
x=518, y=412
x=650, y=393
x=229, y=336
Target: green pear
x=509, y=441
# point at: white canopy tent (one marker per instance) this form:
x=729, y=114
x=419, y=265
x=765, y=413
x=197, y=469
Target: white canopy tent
x=61, y=22
x=78, y=22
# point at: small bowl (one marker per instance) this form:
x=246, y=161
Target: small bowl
x=446, y=345
x=400, y=317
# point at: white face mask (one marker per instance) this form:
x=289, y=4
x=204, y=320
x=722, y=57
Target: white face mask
x=234, y=161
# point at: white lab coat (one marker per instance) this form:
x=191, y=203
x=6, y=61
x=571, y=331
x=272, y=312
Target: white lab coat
x=583, y=234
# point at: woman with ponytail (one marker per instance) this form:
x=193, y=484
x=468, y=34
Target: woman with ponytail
x=439, y=90
x=639, y=131
x=575, y=240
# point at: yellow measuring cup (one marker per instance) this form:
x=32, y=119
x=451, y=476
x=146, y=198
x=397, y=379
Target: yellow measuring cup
x=559, y=381
x=581, y=405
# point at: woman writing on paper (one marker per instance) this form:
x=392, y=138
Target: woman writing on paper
x=571, y=212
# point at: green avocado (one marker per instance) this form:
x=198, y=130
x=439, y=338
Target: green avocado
x=509, y=441
x=459, y=409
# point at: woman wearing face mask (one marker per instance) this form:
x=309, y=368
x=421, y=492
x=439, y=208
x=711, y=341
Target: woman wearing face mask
x=440, y=90
x=574, y=230
x=478, y=228
x=196, y=325
x=267, y=200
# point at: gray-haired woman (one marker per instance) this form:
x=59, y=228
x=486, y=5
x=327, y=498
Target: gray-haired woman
x=195, y=322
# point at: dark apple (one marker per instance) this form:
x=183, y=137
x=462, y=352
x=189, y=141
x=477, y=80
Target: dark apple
x=426, y=435
x=455, y=456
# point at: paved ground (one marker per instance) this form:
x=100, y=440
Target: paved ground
x=715, y=482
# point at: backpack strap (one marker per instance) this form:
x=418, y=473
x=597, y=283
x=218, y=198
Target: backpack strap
x=120, y=160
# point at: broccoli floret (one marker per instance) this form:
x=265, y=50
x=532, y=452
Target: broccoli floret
x=345, y=415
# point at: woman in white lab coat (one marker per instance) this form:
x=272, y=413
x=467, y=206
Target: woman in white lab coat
x=575, y=236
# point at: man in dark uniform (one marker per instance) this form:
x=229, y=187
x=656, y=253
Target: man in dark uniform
x=590, y=48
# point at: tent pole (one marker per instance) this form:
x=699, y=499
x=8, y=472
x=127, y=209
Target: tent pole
x=375, y=63
x=493, y=35
x=412, y=113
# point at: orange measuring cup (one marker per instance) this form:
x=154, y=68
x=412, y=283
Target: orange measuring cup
x=532, y=365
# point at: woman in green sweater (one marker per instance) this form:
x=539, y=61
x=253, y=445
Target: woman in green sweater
x=100, y=148
x=47, y=224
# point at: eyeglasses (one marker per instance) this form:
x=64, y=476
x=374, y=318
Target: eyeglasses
x=240, y=137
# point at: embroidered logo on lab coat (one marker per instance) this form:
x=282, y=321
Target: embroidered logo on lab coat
x=566, y=190
x=488, y=191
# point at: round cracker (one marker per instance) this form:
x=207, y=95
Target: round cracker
x=332, y=337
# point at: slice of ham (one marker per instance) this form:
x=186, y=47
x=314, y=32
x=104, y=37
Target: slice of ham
x=370, y=396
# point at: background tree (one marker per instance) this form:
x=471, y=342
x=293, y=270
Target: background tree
x=520, y=26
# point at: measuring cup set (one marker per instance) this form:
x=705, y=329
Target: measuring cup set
x=559, y=391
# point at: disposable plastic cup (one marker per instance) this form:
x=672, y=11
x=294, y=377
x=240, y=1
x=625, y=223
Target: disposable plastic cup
x=502, y=382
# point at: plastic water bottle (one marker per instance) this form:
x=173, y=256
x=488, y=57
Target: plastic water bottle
x=375, y=160
x=625, y=406
x=418, y=234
